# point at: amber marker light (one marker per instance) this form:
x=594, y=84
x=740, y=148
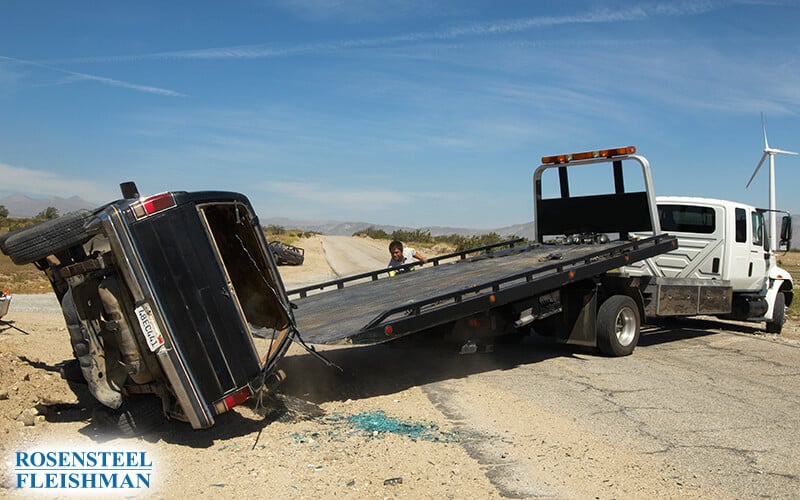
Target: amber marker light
x=588, y=155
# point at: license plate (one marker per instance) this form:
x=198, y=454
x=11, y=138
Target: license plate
x=149, y=327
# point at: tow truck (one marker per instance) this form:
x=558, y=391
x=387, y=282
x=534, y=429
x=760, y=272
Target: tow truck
x=564, y=284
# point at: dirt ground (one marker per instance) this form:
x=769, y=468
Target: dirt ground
x=328, y=435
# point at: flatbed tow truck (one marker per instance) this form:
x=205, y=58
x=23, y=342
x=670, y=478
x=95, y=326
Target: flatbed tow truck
x=563, y=284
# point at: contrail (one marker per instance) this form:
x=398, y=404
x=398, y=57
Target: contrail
x=101, y=79
x=262, y=51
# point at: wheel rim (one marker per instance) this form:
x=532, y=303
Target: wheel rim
x=625, y=326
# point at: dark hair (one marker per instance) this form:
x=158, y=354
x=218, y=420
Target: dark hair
x=395, y=244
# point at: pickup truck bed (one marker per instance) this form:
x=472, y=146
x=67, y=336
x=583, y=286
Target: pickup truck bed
x=390, y=307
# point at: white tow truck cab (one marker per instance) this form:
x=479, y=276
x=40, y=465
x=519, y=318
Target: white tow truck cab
x=723, y=265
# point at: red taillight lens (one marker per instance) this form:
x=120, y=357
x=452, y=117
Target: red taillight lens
x=153, y=204
x=234, y=399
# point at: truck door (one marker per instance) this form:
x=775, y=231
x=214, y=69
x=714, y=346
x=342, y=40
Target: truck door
x=759, y=250
x=747, y=251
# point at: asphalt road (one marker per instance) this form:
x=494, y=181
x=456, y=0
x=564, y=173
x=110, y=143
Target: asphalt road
x=721, y=408
x=347, y=256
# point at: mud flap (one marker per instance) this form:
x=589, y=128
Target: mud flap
x=579, y=306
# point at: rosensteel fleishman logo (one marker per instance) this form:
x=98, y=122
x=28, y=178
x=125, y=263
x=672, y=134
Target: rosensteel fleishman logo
x=82, y=470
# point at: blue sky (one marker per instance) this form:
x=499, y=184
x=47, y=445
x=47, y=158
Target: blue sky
x=404, y=112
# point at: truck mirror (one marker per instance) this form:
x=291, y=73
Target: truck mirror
x=786, y=232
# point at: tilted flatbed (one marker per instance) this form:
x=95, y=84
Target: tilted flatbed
x=391, y=307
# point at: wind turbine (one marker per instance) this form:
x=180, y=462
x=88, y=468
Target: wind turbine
x=771, y=152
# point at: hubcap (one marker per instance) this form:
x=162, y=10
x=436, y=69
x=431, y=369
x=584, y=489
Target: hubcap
x=625, y=328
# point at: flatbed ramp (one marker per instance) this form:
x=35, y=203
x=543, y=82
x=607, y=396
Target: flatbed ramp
x=384, y=309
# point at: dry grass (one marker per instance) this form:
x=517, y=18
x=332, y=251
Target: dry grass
x=790, y=261
x=22, y=279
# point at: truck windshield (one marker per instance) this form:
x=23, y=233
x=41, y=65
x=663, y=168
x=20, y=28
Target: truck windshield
x=687, y=219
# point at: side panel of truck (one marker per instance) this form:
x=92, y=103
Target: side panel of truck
x=700, y=253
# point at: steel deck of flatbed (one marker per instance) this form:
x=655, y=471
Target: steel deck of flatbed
x=390, y=307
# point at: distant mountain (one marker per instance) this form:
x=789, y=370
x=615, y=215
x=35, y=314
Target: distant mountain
x=19, y=205
x=339, y=228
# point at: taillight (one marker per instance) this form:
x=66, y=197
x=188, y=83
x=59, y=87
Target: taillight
x=234, y=399
x=152, y=205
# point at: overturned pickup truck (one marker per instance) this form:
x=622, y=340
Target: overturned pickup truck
x=173, y=302
x=286, y=254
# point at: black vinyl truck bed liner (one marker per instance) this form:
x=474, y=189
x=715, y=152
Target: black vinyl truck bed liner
x=387, y=308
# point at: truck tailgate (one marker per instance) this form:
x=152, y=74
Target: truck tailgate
x=388, y=308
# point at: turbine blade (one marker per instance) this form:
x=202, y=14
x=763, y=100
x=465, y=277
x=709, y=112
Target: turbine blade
x=764, y=129
x=763, y=157
x=783, y=152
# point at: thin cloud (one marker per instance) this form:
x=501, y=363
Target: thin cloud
x=357, y=11
x=43, y=183
x=75, y=76
x=637, y=13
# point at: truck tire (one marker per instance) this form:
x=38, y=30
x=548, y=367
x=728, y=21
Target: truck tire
x=37, y=242
x=778, y=315
x=618, y=326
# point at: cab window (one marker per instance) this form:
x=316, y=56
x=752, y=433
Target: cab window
x=741, y=225
x=758, y=228
x=687, y=219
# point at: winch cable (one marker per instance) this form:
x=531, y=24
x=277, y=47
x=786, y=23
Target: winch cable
x=294, y=333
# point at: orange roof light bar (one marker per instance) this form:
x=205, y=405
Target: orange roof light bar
x=588, y=155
